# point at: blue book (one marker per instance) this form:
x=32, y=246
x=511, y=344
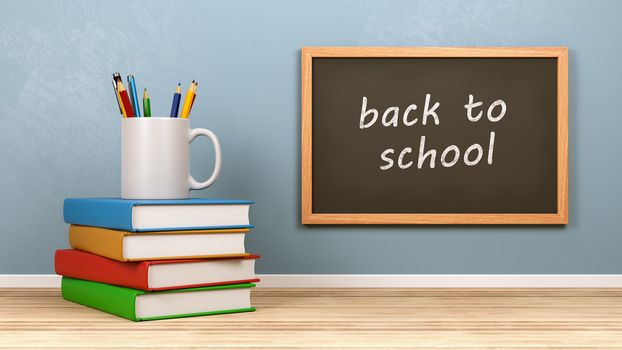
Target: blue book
x=157, y=215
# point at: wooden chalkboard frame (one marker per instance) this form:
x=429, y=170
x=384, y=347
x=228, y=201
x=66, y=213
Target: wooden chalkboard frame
x=560, y=217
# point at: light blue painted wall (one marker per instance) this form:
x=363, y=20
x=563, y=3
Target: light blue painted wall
x=59, y=132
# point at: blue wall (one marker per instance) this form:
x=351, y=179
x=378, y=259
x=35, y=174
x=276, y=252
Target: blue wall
x=59, y=132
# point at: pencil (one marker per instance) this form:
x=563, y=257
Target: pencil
x=123, y=111
x=194, y=95
x=127, y=105
x=185, y=111
x=176, y=100
x=146, y=104
x=192, y=102
x=131, y=83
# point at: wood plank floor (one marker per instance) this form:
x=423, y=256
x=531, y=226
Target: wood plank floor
x=335, y=318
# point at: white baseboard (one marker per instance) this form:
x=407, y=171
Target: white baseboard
x=382, y=281
x=441, y=281
x=29, y=281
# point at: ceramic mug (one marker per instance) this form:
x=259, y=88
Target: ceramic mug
x=155, y=158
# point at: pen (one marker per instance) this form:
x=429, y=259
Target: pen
x=116, y=95
x=131, y=83
x=116, y=79
x=176, y=100
x=146, y=104
x=127, y=105
x=185, y=111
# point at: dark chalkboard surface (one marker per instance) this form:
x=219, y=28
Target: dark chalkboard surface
x=474, y=139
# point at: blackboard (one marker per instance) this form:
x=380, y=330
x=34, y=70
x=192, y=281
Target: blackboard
x=434, y=135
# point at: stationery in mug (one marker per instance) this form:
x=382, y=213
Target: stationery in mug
x=116, y=79
x=125, y=99
x=128, y=103
x=185, y=112
x=133, y=95
x=146, y=104
x=176, y=99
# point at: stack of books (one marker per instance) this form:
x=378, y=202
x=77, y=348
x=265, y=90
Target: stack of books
x=157, y=259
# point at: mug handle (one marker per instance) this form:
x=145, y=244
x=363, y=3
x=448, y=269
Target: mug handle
x=194, y=184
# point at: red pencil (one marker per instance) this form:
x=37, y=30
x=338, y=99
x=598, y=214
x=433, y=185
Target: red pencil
x=126, y=100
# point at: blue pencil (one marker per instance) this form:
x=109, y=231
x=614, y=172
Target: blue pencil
x=133, y=95
x=176, y=99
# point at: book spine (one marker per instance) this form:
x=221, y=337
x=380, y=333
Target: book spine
x=114, y=300
x=100, y=241
x=82, y=265
x=109, y=214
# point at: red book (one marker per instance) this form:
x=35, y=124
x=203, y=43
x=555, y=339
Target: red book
x=157, y=274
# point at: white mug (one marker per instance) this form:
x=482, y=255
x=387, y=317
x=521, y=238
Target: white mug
x=155, y=157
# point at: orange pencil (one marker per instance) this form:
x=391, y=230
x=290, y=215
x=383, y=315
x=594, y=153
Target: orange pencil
x=196, y=86
x=127, y=105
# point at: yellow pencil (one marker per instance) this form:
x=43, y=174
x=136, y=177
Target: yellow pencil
x=121, y=103
x=185, y=111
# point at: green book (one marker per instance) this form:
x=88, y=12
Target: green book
x=138, y=305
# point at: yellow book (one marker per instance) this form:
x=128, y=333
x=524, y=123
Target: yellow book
x=158, y=245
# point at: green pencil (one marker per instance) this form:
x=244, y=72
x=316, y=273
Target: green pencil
x=146, y=104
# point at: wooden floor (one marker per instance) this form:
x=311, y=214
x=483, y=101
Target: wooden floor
x=335, y=318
